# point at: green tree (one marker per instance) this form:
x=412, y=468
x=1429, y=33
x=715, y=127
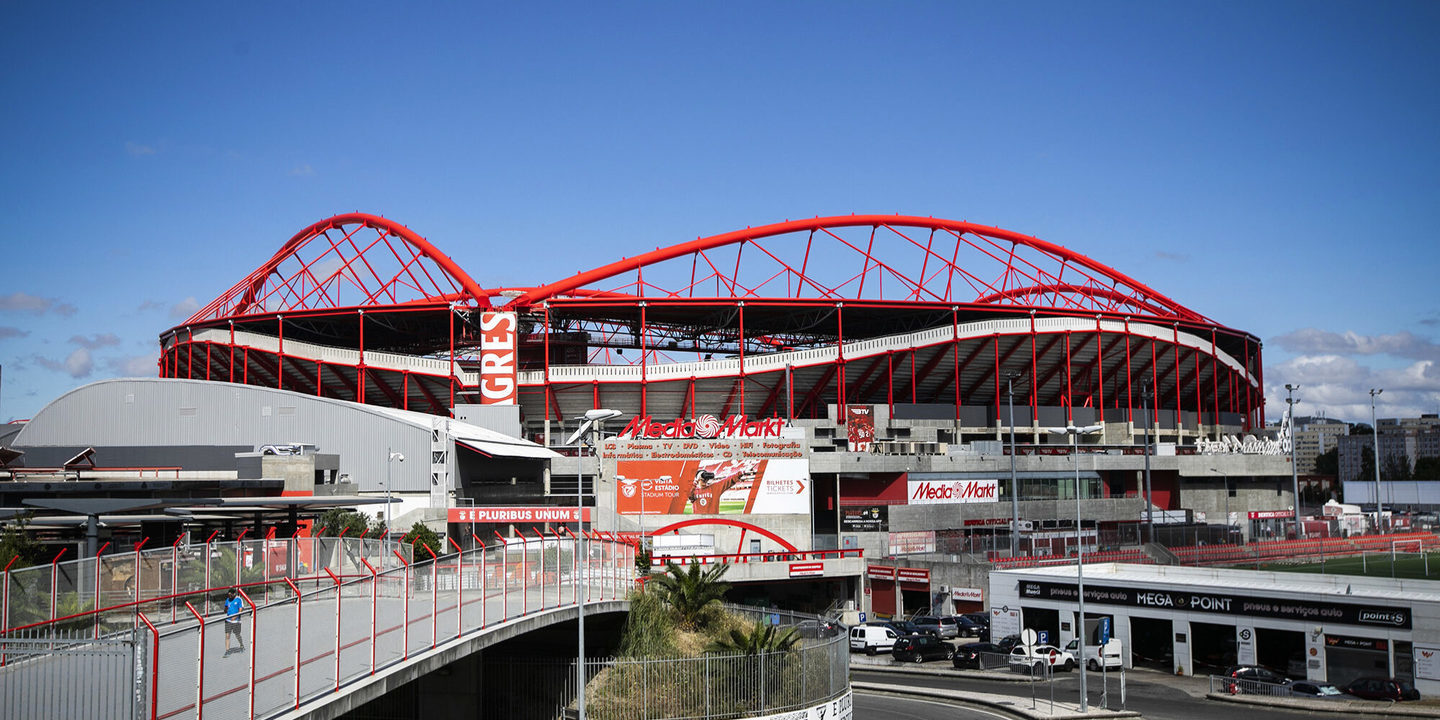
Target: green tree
x=421, y=533
x=692, y=594
x=761, y=638
x=649, y=628
x=337, y=520
x=1328, y=462
x=1427, y=468
x=17, y=544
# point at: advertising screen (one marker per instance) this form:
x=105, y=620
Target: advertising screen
x=711, y=477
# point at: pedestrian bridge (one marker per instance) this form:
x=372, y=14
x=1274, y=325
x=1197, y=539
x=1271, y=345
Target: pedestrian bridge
x=354, y=623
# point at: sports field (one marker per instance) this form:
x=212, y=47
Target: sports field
x=1408, y=565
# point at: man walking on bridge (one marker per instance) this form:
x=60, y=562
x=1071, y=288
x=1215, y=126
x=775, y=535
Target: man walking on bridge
x=232, y=622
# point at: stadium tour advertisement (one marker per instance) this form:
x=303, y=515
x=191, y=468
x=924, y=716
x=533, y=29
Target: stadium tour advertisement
x=710, y=467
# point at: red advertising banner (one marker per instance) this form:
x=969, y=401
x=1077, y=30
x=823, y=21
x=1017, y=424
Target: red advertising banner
x=880, y=572
x=497, y=358
x=714, y=477
x=808, y=569
x=860, y=427
x=915, y=575
x=516, y=514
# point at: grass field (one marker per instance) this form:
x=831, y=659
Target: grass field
x=1376, y=564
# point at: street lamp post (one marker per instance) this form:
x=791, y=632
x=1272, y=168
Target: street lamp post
x=1375, y=434
x=1294, y=469
x=1227, y=501
x=589, y=425
x=1149, y=499
x=390, y=457
x=1074, y=433
x=1014, y=484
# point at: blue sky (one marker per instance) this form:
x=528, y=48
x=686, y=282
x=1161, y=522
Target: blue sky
x=1271, y=165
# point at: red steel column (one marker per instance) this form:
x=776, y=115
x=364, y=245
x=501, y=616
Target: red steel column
x=840, y=361
x=360, y=370
x=1175, y=358
x=450, y=314
x=1129, y=381
x=1034, y=380
x=741, y=306
x=644, y=362
x=280, y=359
x=1100, y=367
x=545, y=388
x=1069, y=390
x=955, y=361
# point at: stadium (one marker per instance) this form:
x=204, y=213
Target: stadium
x=878, y=393
x=926, y=317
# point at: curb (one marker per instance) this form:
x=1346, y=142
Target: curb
x=1340, y=707
x=904, y=669
x=1003, y=703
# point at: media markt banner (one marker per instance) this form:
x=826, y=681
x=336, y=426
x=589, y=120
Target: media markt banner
x=940, y=491
x=711, y=476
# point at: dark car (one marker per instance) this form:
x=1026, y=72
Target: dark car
x=1007, y=643
x=1315, y=690
x=905, y=627
x=944, y=628
x=970, y=628
x=919, y=648
x=1377, y=688
x=980, y=656
x=1252, y=679
x=979, y=619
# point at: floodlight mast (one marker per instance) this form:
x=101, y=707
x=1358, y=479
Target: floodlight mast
x=591, y=420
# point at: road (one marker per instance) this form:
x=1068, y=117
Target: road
x=1146, y=693
x=882, y=707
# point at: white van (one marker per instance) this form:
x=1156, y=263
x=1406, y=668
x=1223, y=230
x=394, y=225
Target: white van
x=872, y=639
x=1111, y=654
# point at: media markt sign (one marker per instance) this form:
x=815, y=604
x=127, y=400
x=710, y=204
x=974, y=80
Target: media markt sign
x=703, y=427
x=941, y=492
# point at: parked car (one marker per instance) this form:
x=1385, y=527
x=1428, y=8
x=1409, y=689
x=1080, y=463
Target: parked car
x=979, y=618
x=970, y=628
x=1111, y=652
x=1037, y=657
x=819, y=628
x=1253, y=679
x=980, y=656
x=1007, y=643
x=944, y=628
x=871, y=639
x=1315, y=690
x=904, y=627
x=919, y=648
x=1377, y=688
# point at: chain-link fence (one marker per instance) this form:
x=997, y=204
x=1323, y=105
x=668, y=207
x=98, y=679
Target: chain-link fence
x=717, y=686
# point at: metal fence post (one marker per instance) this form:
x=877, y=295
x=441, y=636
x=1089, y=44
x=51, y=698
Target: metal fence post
x=254, y=627
x=200, y=674
x=405, y=605
x=374, y=601
x=96, y=608
x=338, y=605
x=299, y=607
x=434, y=598
x=707, y=685
x=459, y=585
x=154, y=668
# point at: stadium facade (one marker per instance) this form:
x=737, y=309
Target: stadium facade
x=840, y=382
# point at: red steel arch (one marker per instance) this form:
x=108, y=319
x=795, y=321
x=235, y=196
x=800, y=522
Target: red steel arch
x=349, y=260
x=1015, y=261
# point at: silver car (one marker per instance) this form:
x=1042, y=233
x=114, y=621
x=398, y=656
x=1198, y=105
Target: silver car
x=945, y=627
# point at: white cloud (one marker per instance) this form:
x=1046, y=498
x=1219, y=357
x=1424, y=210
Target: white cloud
x=135, y=149
x=135, y=366
x=34, y=304
x=95, y=342
x=303, y=170
x=1401, y=344
x=78, y=364
x=184, y=309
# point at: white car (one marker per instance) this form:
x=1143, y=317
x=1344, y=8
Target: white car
x=1093, y=654
x=872, y=639
x=1038, y=657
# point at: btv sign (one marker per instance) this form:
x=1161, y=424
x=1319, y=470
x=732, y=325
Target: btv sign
x=942, y=492
x=705, y=426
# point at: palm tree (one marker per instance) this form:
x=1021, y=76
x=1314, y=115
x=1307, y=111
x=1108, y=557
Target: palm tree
x=691, y=593
x=760, y=639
